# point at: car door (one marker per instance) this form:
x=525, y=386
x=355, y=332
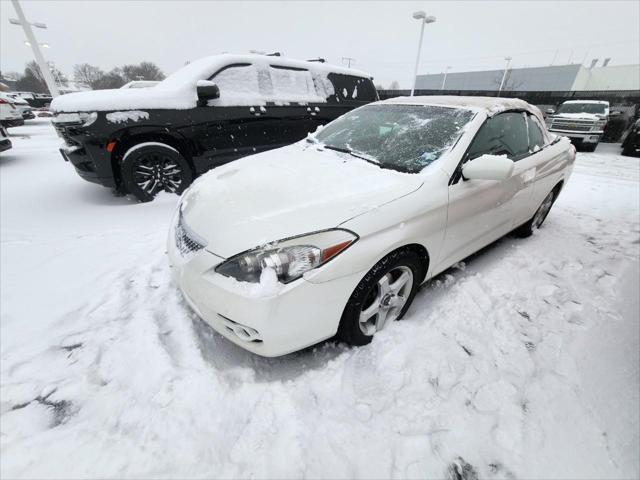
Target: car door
x=481, y=211
x=292, y=101
x=527, y=171
x=236, y=124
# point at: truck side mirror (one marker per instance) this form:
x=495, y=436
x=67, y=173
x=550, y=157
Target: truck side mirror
x=549, y=111
x=206, y=91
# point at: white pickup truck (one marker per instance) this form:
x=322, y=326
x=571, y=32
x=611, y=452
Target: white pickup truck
x=583, y=121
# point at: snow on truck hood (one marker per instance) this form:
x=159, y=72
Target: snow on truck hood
x=286, y=192
x=125, y=99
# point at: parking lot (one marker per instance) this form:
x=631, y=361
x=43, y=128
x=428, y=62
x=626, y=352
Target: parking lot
x=521, y=361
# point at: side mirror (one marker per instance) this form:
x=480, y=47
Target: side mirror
x=206, y=91
x=615, y=113
x=488, y=167
x=549, y=111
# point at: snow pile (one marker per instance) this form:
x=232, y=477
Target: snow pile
x=123, y=117
x=520, y=363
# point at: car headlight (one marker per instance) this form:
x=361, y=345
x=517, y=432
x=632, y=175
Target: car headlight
x=84, y=118
x=599, y=125
x=289, y=258
x=88, y=118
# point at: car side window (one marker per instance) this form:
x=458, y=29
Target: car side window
x=237, y=82
x=292, y=84
x=536, y=137
x=504, y=134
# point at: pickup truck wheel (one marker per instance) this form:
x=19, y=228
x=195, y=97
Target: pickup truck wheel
x=150, y=169
x=382, y=296
x=538, y=218
x=590, y=147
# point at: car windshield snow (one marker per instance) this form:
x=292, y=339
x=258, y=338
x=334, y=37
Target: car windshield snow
x=593, y=108
x=406, y=138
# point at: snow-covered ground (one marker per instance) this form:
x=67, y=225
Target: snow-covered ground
x=523, y=362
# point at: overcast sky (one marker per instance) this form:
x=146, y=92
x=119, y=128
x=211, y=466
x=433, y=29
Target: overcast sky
x=381, y=36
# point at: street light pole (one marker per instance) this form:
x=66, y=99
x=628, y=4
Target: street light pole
x=504, y=75
x=420, y=15
x=444, y=80
x=31, y=38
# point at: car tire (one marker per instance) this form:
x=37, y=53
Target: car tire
x=381, y=287
x=539, y=217
x=628, y=150
x=150, y=169
x=590, y=148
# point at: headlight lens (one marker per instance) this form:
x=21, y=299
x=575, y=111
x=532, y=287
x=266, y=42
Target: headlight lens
x=85, y=118
x=290, y=258
x=88, y=118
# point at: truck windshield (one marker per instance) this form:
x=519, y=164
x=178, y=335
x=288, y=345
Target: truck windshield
x=406, y=138
x=594, y=108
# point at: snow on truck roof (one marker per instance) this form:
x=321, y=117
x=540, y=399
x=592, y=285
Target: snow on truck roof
x=488, y=105
x=177, y=91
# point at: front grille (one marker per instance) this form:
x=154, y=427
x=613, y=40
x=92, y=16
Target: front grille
x=571, y=126
x=65, y=134
x=187, y=242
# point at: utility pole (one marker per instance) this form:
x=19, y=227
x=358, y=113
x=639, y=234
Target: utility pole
x=444, y=80
x=424, y=19
x=504, y=75
x=348, y=60
x=31, y=38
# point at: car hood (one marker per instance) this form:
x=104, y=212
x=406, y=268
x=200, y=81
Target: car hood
x=125, y=99
x=286, y=192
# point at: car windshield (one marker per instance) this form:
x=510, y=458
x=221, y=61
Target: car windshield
x=595, y=108
x=406, y=138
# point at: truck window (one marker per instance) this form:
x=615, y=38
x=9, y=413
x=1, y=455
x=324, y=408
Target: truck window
x=349, y=88
x=292, y=84
x=238, y=83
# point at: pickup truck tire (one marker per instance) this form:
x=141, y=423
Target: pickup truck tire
x=590, y=148
x=147, y=169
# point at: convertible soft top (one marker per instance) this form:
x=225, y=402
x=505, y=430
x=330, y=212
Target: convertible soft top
x=488, y=105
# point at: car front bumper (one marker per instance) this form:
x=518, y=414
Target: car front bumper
x=579, y=137
x=297, y=315
x=86, y=167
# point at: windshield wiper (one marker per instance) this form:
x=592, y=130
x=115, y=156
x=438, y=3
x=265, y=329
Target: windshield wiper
x=352, y=153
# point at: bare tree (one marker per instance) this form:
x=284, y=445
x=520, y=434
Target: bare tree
x=142, y=71
x=394, y=85
x=33, y=81
x=88, y=75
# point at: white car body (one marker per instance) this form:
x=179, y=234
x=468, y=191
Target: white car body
x=8, y=108
x=21, y=104
x=303, y=188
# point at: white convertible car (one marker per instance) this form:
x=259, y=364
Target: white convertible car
x=334, y=234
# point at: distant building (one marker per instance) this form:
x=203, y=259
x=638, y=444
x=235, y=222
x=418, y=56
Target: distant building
x=556, y=78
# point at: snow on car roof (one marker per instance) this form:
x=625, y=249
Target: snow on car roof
x=488, y=105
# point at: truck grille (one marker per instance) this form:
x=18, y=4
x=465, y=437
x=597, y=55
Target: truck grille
x=572, y=125
x=65, y=133
x=187, y=242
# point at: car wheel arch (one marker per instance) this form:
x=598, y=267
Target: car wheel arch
x=127, y=141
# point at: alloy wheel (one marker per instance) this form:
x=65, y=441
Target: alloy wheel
x=543, y=211
x=154, y=173
x=386, y=299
